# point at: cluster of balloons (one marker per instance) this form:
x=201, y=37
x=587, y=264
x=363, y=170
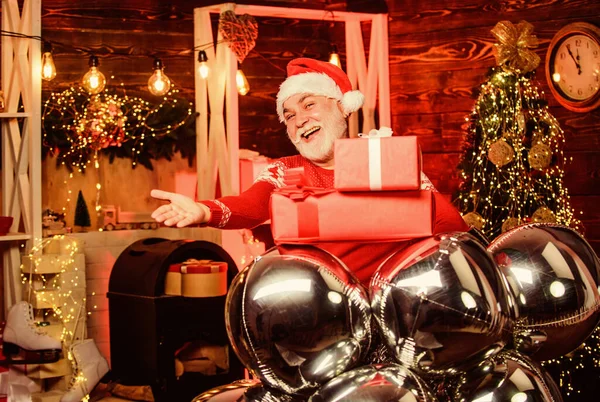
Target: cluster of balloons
x=460, y=320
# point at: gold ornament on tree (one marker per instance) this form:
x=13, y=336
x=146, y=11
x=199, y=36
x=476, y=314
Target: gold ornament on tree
x=501, y=153
x=474, y=219
x=510, y=223
x=512, y=51
x=543, y=215
x=540, y=156
x=240, y=32
x=521, y=121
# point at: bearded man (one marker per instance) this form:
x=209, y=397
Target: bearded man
x=314, y=103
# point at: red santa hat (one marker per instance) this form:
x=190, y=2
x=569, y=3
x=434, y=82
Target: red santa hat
x=309, y=76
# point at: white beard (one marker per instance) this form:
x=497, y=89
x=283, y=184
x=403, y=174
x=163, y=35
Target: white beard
x=320, y=150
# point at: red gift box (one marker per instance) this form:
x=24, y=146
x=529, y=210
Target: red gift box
x=250, y=169
x=309, y=215
x=374, y=164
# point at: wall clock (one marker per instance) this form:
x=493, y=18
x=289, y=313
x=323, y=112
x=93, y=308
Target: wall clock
x=573, y=66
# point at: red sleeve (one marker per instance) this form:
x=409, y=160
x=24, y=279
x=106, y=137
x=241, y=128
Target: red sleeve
x=447, y=217
x=251, y=208
x=244, y=211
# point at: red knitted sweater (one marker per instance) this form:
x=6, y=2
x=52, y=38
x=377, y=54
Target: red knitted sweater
x=251, y=208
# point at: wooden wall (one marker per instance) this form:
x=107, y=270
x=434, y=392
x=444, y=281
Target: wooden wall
x=440, y=52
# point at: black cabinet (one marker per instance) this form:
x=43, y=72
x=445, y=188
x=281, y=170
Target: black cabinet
x=147, y=327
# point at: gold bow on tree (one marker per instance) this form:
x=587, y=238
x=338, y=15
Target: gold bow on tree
x=513, y=52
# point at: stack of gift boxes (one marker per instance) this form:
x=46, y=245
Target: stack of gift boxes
x=377, y=196
x=55, y=285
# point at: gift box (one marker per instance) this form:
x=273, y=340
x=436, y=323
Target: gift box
x=309, y=215
x=173, y=280
x=375, y=163
x=250, y=169
x=204, y=279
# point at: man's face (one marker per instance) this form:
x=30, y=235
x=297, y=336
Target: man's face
x=313, y=124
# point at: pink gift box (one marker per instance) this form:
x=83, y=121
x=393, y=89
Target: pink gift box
x=250, y=169
x=309, y=215
x=375, y=164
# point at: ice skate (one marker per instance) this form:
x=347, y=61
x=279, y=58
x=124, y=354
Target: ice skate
x=26, y=343
x=89, y=366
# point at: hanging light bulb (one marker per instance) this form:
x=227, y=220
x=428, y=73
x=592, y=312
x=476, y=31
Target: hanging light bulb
x=242, y=83
x=203, y=60
x=48, y=67
x=334, y=57
x=159, y=84
x=93, y=81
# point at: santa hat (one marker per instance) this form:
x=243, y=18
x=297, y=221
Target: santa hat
x=309, y=76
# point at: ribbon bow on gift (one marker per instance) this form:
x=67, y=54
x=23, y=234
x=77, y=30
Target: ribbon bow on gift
x=381, y=133
x=374, y=137
x=513, y=52
x=300, y=193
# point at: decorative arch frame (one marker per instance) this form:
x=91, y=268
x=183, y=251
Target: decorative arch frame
x=217, y=141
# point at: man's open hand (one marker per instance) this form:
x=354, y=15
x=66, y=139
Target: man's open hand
x=181, y=210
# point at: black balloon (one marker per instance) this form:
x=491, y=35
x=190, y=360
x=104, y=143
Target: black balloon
x=508, y=376
x=441, y=304
x=553, y=274
x=375, y=383
x=299, y=319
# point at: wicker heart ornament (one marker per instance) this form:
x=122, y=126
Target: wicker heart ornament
x=240, y=32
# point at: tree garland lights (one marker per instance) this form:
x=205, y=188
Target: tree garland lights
x=77, y=126
x=512, y=164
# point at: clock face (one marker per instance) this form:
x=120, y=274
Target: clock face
x=576, y=67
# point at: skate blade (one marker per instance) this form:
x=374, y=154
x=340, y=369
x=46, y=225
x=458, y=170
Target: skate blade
x=14, y=354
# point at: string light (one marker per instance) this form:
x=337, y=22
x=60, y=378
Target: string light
x=512, y=165
x=93, y=81
x=203, y=69
x=334, y=57
x=159, y=84
x=241, y=82
x=48, y=67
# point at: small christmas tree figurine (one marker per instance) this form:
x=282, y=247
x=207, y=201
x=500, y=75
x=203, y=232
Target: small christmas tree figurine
x=82, y=215
x=512, y=163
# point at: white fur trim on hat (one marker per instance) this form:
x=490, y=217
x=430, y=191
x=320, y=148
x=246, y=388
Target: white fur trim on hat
x=317, y=84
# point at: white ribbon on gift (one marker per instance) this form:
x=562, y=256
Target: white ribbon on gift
x=374, y=137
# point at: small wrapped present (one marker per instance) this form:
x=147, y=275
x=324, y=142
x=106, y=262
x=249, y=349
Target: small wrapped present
x=204, y=279
x=377, y=162
x=251, y=165
x=309, y=215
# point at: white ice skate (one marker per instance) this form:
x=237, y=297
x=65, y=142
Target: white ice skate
x=26, y=343
x=89, y=366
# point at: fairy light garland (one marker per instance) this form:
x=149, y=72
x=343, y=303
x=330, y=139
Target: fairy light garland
x=570, y=367
x=512, y=169
x=78, y=126
x=57, y=289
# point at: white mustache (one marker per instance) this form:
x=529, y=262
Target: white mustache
x=299, y=139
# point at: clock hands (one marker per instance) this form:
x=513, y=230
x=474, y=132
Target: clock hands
x=574, y=60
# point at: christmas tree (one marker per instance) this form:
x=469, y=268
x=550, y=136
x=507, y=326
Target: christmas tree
x=512, y=173
x=512, y=164
x=82, y=215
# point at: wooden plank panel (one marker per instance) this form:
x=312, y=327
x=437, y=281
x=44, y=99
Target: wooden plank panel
x=436, y=92
x=463, y=14
x=437, y=132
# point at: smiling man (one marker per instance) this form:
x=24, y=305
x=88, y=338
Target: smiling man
x=314, y=102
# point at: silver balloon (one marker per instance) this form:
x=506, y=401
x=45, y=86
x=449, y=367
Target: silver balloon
x=375, y=383
x=297, y=318
x=260, y=393
x=441, y=304
x=553, y=274
x=508, y=376
x=233, y=392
